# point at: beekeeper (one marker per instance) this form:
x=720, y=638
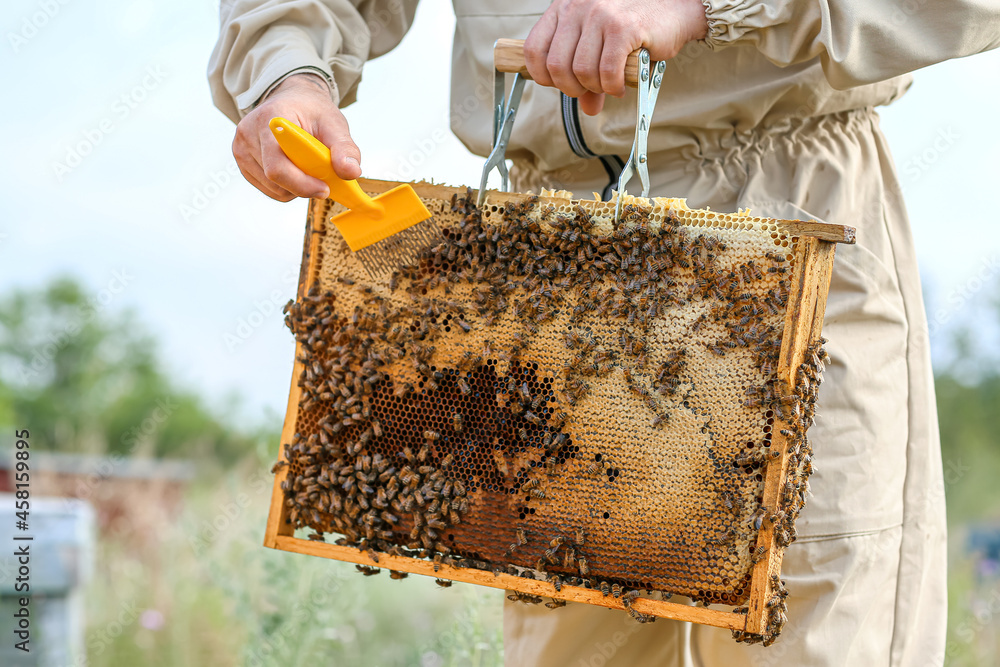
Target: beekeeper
x=767, y=106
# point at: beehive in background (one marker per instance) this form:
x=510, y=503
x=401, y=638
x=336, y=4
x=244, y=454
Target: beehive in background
x=560, y=404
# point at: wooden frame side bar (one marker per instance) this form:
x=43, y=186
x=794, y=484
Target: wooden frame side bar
x=277, y=527
x=803, y=324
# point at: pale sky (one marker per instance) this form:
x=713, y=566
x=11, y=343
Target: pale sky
x=115, y=160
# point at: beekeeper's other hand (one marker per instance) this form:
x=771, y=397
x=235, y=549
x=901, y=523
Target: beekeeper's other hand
x=580, y=46
x=305, y=100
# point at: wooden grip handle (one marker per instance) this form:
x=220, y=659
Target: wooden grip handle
x=508, y=56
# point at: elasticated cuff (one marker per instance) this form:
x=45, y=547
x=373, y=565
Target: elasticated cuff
x=277, y=71
x=330, y=83
x=729, y=20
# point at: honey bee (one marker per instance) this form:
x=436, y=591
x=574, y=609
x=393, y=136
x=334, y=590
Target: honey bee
x=616, y=590
x=501, y=462
x=758, y=555
x=525, y=393
x=583, y=567
x=367, y=571
x=431, y=435
x=538, y=494
x=396, y=574
x=464, y=387
x=530, y=484
x=443, y=583
x=807, y=466
x=457, y=422
x=555, y=604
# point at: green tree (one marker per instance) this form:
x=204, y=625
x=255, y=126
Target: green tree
x=82, y=378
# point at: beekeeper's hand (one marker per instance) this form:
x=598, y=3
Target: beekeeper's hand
x=305, y=100
x=580, y=46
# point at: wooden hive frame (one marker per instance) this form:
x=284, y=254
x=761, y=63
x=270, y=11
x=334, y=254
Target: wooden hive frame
x=813, y=262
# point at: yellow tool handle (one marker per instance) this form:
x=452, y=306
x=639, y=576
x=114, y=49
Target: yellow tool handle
x=310, y=155
x=508, y=56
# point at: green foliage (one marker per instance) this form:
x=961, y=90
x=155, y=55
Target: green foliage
x=968, y=399
x=88, y=379
x=225, y=600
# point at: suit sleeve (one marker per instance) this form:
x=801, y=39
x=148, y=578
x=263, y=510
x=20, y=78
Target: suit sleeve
x=858, y=41
x=263, y=41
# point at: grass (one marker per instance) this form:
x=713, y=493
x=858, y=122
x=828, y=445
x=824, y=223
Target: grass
x=205, y=592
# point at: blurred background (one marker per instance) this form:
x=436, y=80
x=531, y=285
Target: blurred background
x=142, y=344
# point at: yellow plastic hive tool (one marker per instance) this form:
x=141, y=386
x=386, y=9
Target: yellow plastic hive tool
x=368, y=220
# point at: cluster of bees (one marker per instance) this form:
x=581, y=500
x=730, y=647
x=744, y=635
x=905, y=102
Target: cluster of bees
x=777, y=615
x=535, y=267
x=798, y=412
x=340, y=486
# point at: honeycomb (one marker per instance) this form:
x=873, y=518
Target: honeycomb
x=548, y=392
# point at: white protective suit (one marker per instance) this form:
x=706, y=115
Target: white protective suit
x=772, y=112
